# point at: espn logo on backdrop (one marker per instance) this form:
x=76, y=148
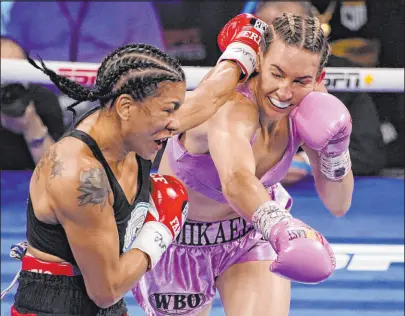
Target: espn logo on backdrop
x=86, y=77
x=342, y=80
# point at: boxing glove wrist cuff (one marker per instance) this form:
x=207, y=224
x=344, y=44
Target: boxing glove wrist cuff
x=335, y=168
x=153, y=239
x=243, y=55
x=267, y=215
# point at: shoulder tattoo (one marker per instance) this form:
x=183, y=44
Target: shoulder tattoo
x=56, y=164
x=94, y=187
x=50, y=158
x=39, y=166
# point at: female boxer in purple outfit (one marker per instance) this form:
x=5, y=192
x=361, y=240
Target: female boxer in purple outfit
x=239, y=223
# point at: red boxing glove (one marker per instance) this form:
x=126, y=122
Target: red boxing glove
x=239, y=40
x=167, y=214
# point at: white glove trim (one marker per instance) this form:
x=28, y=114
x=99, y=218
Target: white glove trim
x=153, y=239
x=243, y=54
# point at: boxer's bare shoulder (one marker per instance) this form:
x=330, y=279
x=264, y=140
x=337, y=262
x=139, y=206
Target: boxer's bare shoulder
x=68, y=172
x=63, y=159
x=85, y=182
x=52, y=161
x=239, y=109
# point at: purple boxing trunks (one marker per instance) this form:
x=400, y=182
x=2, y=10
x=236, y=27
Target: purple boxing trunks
x=183, y=281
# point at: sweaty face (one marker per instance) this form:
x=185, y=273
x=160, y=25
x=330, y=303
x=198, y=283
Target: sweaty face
x=152, y=122
x=287, y=75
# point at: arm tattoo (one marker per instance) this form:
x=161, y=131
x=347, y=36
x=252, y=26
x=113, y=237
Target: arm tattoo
x=94, y=186
x=56, y=164
x=39, y=167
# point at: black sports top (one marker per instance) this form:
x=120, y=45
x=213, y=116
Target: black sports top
x=52, y=239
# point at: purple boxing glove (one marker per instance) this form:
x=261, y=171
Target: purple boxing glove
x=324, y=124
x=303, y=254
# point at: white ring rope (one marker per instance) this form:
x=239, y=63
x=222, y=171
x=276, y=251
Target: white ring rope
x=337, y=79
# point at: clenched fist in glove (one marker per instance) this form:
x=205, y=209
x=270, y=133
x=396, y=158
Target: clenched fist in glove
x=325, y=125
x=240, y=39
x=303, y=254
x=165, y=219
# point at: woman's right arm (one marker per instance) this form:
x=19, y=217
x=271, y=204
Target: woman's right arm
x=212, y=92
x=229, y=134
x=83, y=205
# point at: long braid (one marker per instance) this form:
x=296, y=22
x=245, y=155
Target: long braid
x=67, y=86
x=135, y=69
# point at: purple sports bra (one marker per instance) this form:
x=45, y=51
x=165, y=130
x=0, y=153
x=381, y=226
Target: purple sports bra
x=198, y=171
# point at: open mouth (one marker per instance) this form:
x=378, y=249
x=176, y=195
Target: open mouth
x=279, y=104
x=161, y=141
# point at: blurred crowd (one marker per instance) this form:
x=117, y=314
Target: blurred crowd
x=363, y=34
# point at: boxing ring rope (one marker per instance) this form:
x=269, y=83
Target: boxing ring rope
x=336, y=79
x=353, y=257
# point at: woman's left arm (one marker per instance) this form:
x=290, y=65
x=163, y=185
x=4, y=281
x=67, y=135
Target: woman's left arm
x=335, y=195
x=324, y=126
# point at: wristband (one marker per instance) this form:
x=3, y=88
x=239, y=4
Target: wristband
x=267, y=215
x=335, y=168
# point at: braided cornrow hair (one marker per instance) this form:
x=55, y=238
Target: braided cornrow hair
x=303, y=32
x=138, y=68
x=291, y=22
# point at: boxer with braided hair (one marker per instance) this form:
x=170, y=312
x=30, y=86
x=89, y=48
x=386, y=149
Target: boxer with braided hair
x=239, y=222
x=96, y=220
x=138, y=58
